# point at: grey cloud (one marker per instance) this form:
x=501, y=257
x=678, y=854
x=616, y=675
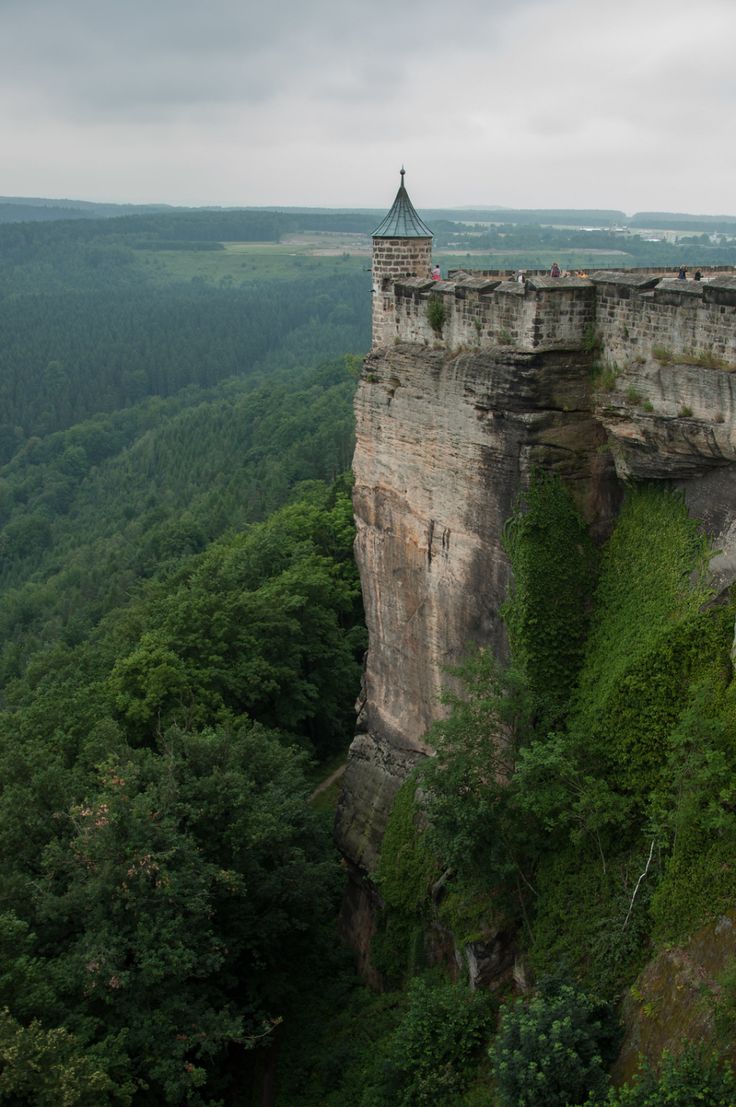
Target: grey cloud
x=536, y=102
x=96, y=54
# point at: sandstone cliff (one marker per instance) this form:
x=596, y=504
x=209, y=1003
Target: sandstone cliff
x=623, y=377
x=445, y=443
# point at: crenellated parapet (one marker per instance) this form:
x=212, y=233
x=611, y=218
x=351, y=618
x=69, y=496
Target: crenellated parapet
x=638, y=315
x=627, y=314
x=482, y=313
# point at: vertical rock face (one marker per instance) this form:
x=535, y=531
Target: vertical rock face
x=445, y=444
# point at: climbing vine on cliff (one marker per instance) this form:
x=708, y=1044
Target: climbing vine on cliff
x=547, y=615
x=648, y=765
x=406, y=869
x=620, y=771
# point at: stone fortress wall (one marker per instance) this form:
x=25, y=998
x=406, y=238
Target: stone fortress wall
x=629, y=313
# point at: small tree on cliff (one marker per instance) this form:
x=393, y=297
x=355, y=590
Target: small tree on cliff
x=472, y=825
x=436, y=314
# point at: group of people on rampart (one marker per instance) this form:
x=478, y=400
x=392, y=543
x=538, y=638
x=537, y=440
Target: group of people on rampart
x=556, y=271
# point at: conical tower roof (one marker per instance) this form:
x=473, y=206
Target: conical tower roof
x=402, y=221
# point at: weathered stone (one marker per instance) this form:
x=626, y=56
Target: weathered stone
x=669, y=421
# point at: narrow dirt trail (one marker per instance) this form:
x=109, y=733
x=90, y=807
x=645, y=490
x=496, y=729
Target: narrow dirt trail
x=327, y=782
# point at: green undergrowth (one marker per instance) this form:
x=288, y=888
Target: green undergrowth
x=466, y=910
x=581, y=929
x=649, y=752
x=419, y=1047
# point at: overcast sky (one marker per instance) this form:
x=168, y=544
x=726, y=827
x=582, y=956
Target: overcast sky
x=525, y=103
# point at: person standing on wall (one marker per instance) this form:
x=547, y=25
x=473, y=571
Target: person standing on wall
x=436, y=274
x=555, y=270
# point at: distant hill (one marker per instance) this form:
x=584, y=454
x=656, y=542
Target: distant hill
x=581, y=217
x=682, y=221
x=32, y=209
x=269, y=222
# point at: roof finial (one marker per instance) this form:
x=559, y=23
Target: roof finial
x=403, y=171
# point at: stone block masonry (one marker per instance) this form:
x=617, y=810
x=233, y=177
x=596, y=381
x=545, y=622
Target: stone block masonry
x=676, y=319
x=395, y=259
x=630, y=314
x=480, y=313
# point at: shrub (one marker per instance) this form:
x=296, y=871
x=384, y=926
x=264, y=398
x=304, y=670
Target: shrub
x=553, y=1050
x=471, y=825
x=436, y=314
x=605, y=375
x=592, y=340
x=434, y=1052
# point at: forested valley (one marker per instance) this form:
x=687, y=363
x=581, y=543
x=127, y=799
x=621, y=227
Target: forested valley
x=181, y=647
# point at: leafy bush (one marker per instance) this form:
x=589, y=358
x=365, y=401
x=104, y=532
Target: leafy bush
x=433, y=1053
x=49, y=1068
x=580, y=913
x=605, y=375
x=553, y=1050
x=592, y=340
x=471, y=824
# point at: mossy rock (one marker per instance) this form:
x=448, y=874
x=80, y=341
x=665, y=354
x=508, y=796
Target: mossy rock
x=677, y=1000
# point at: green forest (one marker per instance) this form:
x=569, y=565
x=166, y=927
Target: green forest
x=180, y=652
x=182, y=639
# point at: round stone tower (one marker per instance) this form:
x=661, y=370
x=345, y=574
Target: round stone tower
x=402, y=247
